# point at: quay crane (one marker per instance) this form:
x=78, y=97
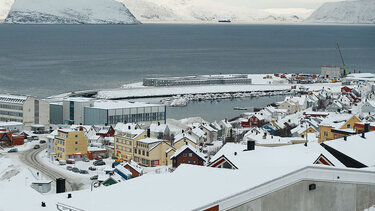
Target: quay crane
x=342, y=59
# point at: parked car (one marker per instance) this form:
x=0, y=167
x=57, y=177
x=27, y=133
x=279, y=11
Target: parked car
x=92, y=168
x=42, y=141
x=13, y=150
x=36, y=146
x=70, y=161
x=69, y=168
x=86, y=160
x=95, y=177
x=62, y=162
x=98, y=158
x=75, y=169
x=83, y=172
x=99, y=163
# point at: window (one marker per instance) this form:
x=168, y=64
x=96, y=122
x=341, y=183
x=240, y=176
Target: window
x=147, y=154
x=143, y=152
x=76, y=149
x=348, y=126
x=184, y=154
x=188, y=161
x=135, y=151
x=194, y=162
x=117, y=140
x=76, y=136
x=76, y=142
x=190, y=155
x=325, y=134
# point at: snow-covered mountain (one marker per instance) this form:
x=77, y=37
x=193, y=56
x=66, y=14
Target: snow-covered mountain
x=349, y=12
x=5, y=6
x=69, y=12
x=157, y=11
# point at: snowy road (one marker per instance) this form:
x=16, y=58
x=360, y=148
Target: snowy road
x=30, y=158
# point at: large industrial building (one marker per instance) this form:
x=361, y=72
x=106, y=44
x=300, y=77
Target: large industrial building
x=198, y=80
x=88, y=111
x=26, y=109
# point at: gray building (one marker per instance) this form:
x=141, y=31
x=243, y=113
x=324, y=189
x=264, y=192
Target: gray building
x=56, y=113
x=112, y=112
x=198, y=80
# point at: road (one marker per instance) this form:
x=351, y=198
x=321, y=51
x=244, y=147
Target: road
x=30, y=158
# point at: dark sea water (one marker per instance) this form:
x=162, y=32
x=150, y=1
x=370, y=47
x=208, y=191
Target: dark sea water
x=44, y=60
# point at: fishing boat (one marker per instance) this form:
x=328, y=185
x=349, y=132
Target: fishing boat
x=240, y=108
x=225, y=21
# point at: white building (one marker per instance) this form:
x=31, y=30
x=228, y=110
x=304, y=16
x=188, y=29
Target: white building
x=26, y=109
x=332, y=71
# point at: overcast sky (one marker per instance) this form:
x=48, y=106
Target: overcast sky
x=263, y=4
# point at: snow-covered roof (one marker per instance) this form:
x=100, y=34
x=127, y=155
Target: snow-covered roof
x=158, y=128
x=273, y=140
x=226, y=123
x=109, y=104
x=134, y=165
x=289, y=155
x=7, y=124
x=336, y=120
x=184, y=135
x=198, y=132
x=95, y=149
x=15, y=99
x=208, y=127
x=66, y=130
x=150, y=140
x=188, y=146
x=357, y=147
x=131, y=128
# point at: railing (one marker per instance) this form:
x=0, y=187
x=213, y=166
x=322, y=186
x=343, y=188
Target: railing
x=65, y=207
x=314, y=173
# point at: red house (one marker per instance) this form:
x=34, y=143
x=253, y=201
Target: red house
x=9, y=139
x=189, y=155
x=253, y=121
x=346, y=89
x=106, y=132
x=134, y=168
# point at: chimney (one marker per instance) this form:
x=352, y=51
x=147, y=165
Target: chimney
x=148, y=133
x=367, y=127
x=250, y=145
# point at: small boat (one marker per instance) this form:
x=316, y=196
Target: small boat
x=240, y=108
x=225, y=21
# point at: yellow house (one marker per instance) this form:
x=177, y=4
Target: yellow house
x=332, y=128
x=153, y=152
x=126, y=139
x=70, y=144
x=181, y=139
x=308, y=130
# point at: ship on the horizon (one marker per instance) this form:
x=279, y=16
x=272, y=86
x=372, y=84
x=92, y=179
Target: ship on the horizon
x=225, y=21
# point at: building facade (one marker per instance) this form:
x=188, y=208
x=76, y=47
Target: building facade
x=70, y=144
x=26, y=109
x=332, y=71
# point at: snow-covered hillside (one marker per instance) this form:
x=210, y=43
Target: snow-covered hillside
x=205, y=11
x=69, y=12
x=5, y=6
x=351, y=12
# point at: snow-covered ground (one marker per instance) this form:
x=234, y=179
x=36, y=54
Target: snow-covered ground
x=69, y=12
